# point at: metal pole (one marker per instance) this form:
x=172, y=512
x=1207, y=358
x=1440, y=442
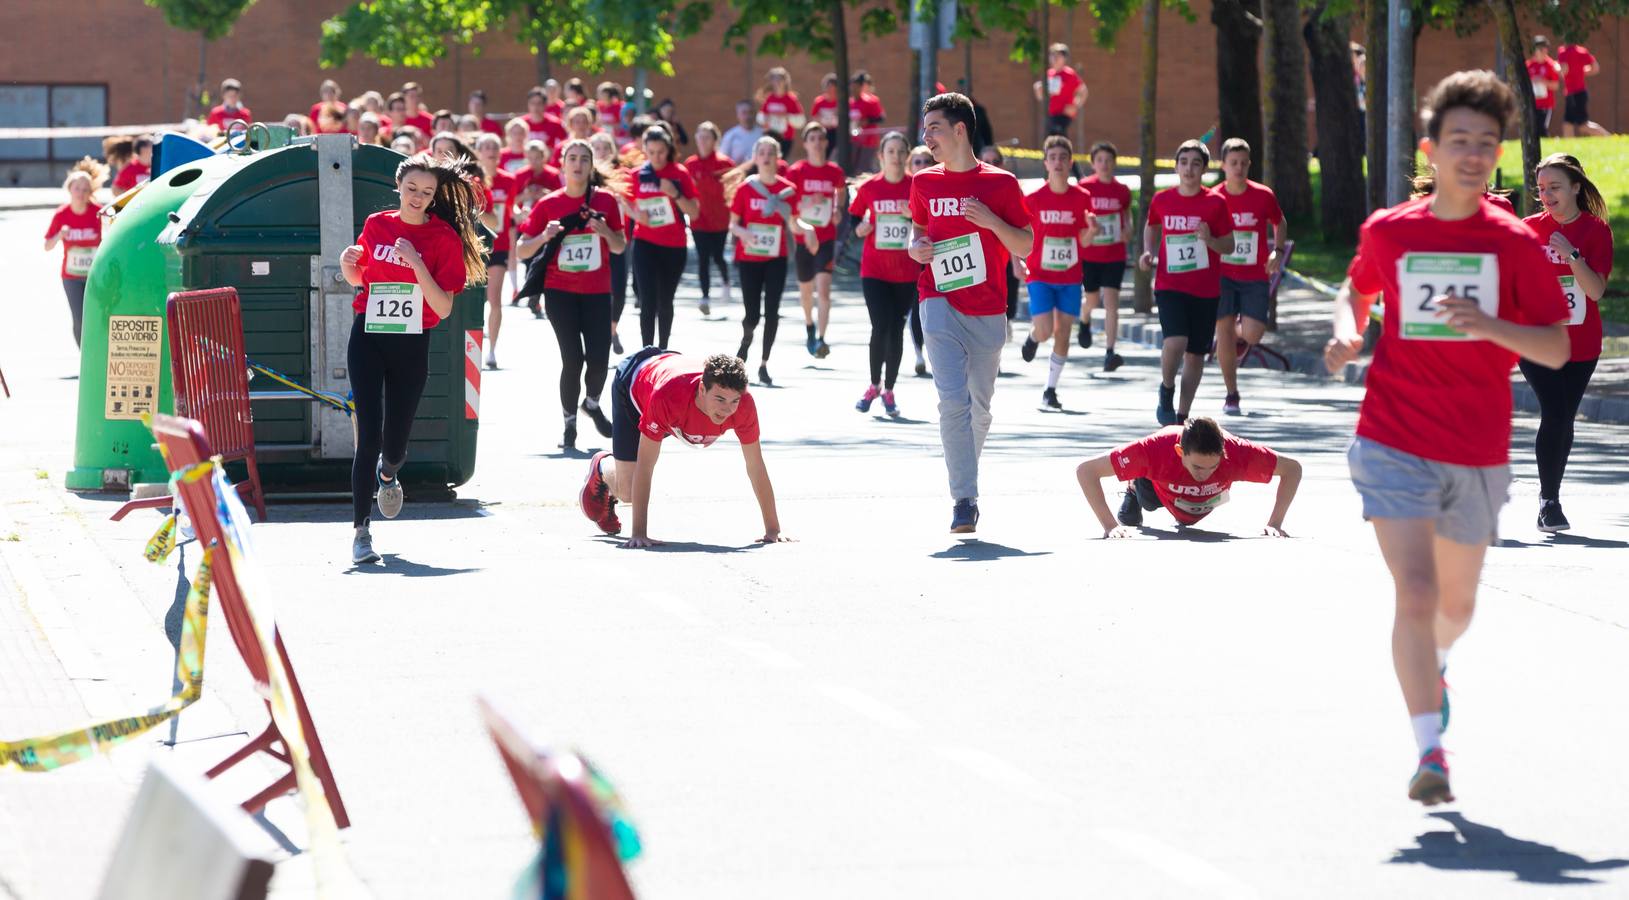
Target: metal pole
x=929, y=75
x=1399, y=98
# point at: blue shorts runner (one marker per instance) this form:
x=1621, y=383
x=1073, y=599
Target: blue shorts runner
x=1045, y=297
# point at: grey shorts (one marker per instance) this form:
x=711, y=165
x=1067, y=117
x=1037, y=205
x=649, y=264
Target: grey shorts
x=1248, y=298
x=1464, y=501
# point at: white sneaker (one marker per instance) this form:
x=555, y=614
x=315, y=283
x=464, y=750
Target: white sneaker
x=491, y=359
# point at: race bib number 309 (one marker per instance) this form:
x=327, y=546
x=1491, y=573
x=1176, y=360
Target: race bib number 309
x=1424, y=278
x=893, y=232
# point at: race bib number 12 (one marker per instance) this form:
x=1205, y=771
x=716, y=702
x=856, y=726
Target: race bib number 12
x=1185, y=253
x=1423, y=278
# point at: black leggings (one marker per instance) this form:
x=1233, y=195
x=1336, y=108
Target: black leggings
x=657, y=270
x=75, y=289
x=582, y=325
x=762, y=284
x=388, y=372
x=1559, y=393
x=916, y=326
x=710, y=249
x=619, y=282
x=889, y=304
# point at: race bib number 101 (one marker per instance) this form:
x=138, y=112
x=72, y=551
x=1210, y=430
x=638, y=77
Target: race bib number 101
x=958, y=263
x=1423, y=278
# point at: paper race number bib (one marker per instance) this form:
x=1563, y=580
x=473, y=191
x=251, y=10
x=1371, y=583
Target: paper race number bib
x=1057, y=253
x=1185, y=253
x=1424, y=277
x=893, y=232
x=658, y=209
x=777, y=124
x=1244, y=249
x=1196, y=506
x=1540, y=91
x=393, y=308
x=1054, y=85
x=763, y=239
x=1108, y=230
x=816, y=210
x=579, y=253
x=79, y=260
x=958, y=263
x=1577, y=303
x=828, y=117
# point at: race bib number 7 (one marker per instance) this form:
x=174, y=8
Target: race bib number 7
x=393, y=307
x=958, y=263
x=1423, y=278
x=816, y=210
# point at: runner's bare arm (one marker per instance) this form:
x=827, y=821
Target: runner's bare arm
x=52, y=241
x=437, y=298
x=1289, y=480
x=921, y=245
x=348, y=259
x=1589, y=280
x=1090, y=474
x=1547, y=345
x=1281, y=233
x=1145, y=259
x=1350, y=308
x=644, y=469
x=758, y=474
x=1222, y=245
x=614, y=239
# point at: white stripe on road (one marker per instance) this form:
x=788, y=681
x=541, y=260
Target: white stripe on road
x=868, y=706
x=995, y=769
x=1179, y=865
x=675, y=607
x=763, y=653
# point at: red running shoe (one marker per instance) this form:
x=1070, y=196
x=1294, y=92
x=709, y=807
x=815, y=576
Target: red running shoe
x=595, y=497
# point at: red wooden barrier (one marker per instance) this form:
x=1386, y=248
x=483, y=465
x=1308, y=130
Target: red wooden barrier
x=185, y=445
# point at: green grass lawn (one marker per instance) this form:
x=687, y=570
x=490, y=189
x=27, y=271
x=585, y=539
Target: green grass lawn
x=1605, y=159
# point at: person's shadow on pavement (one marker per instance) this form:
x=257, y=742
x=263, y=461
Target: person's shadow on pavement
x=1481, y=848
x=975, y=550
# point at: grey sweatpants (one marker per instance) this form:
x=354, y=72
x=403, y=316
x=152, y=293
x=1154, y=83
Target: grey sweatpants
x=966, y=354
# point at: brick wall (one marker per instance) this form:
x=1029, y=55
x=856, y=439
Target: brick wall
x=149, y=67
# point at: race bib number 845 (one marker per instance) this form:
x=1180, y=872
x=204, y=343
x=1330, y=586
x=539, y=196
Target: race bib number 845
x=1423, y=278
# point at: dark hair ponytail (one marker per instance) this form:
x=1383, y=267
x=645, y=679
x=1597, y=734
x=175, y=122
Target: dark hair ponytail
x=1589, y=196
x=459, y=201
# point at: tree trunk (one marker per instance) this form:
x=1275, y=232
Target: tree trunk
x=1340, y=145
x=1238, y=77
x=1510, y=37
x=839, y=55
x=1375, y=34
x=1143, y=294
x=541, y=51
x=201, y=89
x=1286, y=104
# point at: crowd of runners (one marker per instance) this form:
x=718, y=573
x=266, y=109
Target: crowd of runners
x=586, y=195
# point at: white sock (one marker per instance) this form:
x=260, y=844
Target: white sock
x=571, y=418
x=1055, y=371
x=1442, y=658
x=608, y=471
x=592, y=403
x=1427, y=731
x=919, y=360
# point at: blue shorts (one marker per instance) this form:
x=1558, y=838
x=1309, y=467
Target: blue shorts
x=1044, y=298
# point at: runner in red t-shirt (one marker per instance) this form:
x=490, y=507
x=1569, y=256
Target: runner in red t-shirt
x=1241, y=311
x=578, y=228
x=512, y=158
x=1103, y=262
x=553, y=105
x=1062, y=224
x=968, y=220
x=1195, y=230
x=882, y=212
x=328, y=93
x=824, y=108
x=609, y=106
x=658, y=393
x=1545, y=74
x=77, y=226
x=664, y=197
x=778, y=108
x=415, y=114
x=408, y=266
x=1577, y=64
x=764, y=224
x=579, y=125
x=822, y=197
x=1466, y=290
x=865, y=120
x=1578, y=244
x=1063, y=91
x=504, y=190
x=1186, y=470
x=134, y=159
x=711, y=227
x=231, y=108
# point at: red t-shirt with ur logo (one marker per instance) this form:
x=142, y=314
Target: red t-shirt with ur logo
x=664, y=392
x=969, y=267
x=1155, y=457
x=436, y=242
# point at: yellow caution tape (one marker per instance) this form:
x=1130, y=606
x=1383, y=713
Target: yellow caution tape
x=44, y=754
x=162, y=543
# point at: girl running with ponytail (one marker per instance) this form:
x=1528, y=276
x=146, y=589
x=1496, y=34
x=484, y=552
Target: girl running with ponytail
x=408, y=266
x=1578, y=245
x=77, y=226
x=763, y=223
x=578, y=230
